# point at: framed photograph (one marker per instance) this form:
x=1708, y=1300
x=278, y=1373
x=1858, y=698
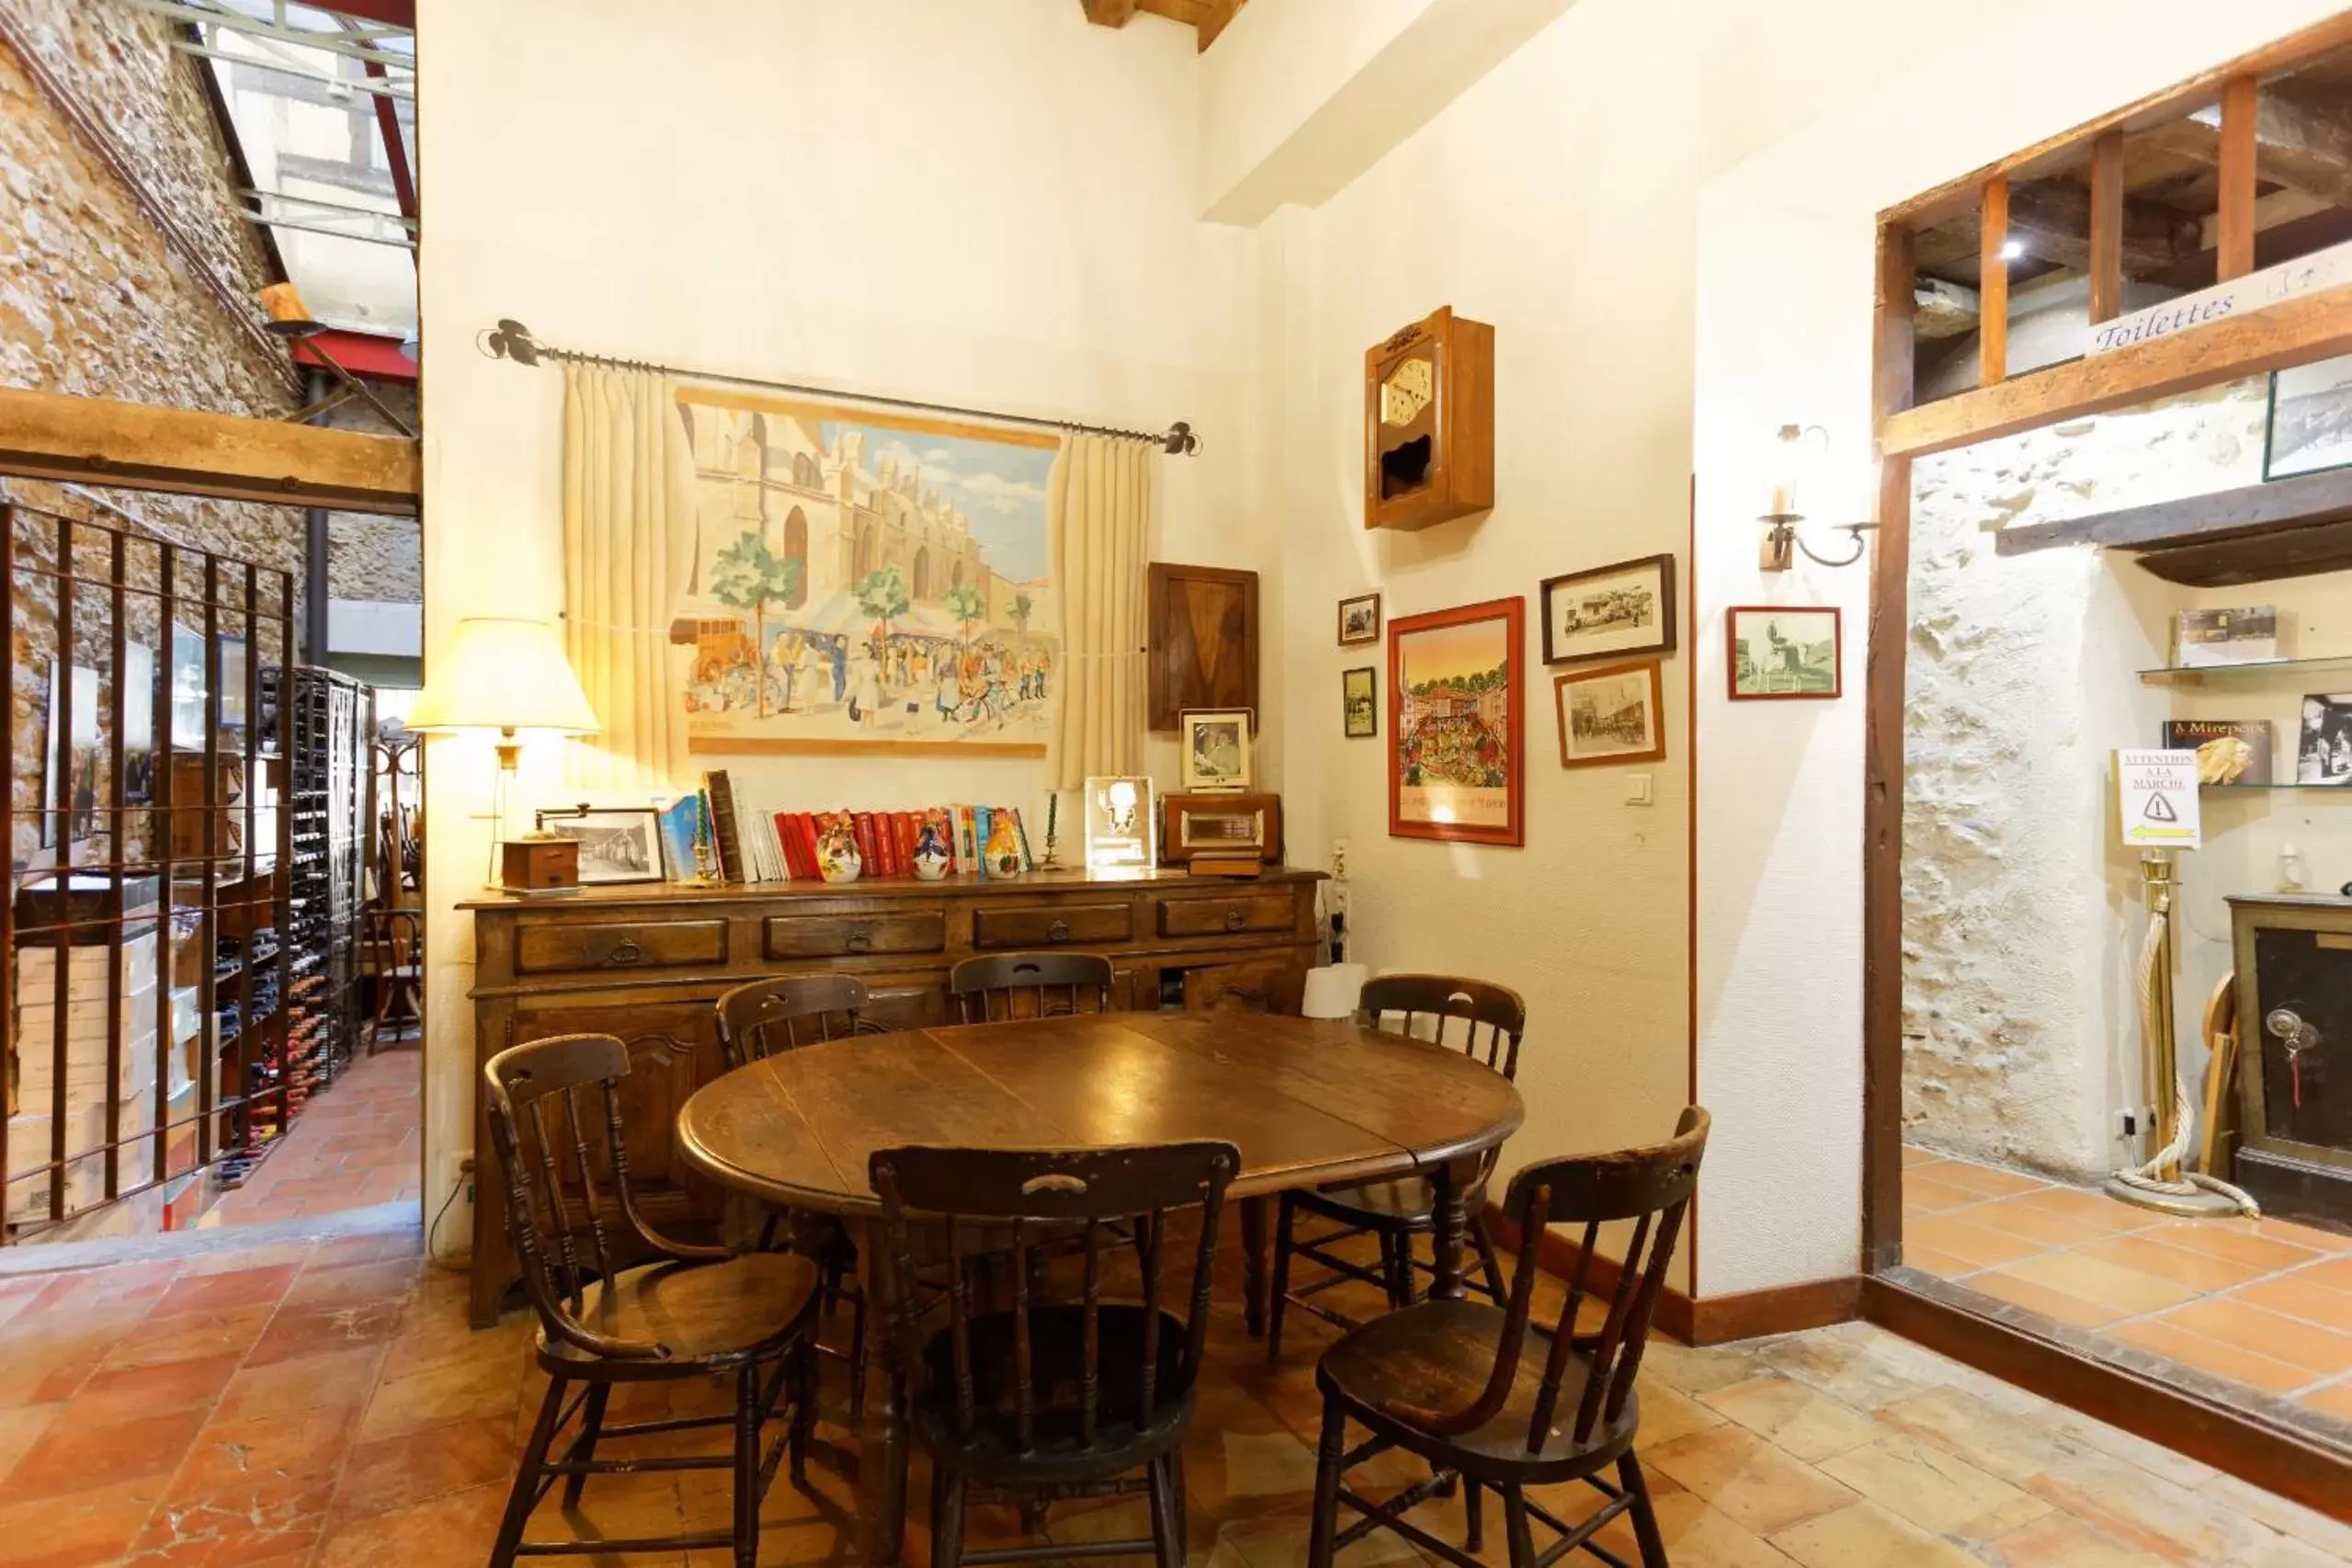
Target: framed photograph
x=2310, y=419
x=1776, y=652
x=1359, y=692
x=1214, y=748
x=1620, y=609
x=1457, y=724
x=1359, y=619
x=2323, y=749
x=1614, y=714
x=1120, y=824
x=618, y=843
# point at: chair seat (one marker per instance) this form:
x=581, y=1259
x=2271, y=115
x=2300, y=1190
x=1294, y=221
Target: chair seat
x=1438, y=1355
x=1057, y=1352
x=706, y=1313
x=1405, y=1201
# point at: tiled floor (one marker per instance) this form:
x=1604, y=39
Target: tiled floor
x=323, y=1403
x=354, y=1145
x=2264, y=1303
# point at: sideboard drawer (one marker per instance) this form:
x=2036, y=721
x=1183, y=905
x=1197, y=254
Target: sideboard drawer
x=856, y=931
x=1225, y=917
x=654, y=944
x=1050, y=924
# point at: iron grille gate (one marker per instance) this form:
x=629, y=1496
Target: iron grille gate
x=145, y=980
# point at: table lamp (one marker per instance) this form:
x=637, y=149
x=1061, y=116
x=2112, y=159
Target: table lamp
x=510, y=676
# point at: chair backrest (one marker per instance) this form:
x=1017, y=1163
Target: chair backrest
x=1652, y=1187
x=395, y=935
x=1038, y=1194
x=1028, y=985
x=1477, y=1018
x=784, y=1014
x=543, y=1100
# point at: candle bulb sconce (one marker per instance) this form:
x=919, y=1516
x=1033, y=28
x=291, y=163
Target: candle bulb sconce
x=1781, y=514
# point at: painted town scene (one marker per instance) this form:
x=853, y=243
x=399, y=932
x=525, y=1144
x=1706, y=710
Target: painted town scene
x=1453, y=729
x=859, y=579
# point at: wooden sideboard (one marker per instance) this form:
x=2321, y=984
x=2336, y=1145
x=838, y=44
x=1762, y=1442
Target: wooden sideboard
x=646, y=962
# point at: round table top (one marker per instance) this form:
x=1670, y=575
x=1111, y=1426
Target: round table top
x=1305, y=1101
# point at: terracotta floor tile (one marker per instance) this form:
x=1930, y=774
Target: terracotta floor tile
x=1924, y=1193
x=459, y=1392
x=1667, y=1413
x=2052, y=1227
x=127, y=1393
x=2222, y=1238
x=1747, y=1479
x=2313, y=1236
x=2061, y=1540
x=2031, y=1294
x=337, y=1380
x=2225, y=1360
x=76, y=1530
x=2336, y=1399
x=1958, y=1237
x=2197, y=1270
x=1928, y=1260
x=420, y=1466
x=1936, y=1491
x=1863, y=1535
x=191, y=1336
x=2179, y=1524
x=83, y=1459
x=457, y=1528
x=312, y=1331
x=1797, y=1420
x=355, y=1283
x=2127, y=1291
x=2291, y=1340
x=1986, y=1179
x=266, y=1453
x=2336, y=1274
x=2291, y=1519
x=2298, y=1296
x=1913, y=1157
x=2117, y=1215
x=1699, y=1536
x=22, y=1427
x=223, y=1292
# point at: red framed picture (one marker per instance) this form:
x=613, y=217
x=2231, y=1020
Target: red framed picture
x=1784, y=653
x=1457, y=756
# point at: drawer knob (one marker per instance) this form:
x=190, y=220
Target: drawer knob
x=861, y=940
x=1059, y=931
x=625, y=951
x=1233, y=919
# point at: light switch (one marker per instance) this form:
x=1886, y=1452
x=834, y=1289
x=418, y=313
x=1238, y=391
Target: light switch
x=1637, y=790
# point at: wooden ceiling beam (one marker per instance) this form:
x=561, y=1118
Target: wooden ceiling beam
x=1205, y=17
x=92, y=440
x=2052, y=218
x=1109, y=13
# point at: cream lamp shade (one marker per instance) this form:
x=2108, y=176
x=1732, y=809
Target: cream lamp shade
x=504, y=674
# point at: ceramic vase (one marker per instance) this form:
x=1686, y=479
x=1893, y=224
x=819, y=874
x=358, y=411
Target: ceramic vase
x=837, y=857
x=1004, y=848
x=931, y=858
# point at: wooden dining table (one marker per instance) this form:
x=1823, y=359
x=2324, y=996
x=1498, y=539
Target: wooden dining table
x=1306, y=1102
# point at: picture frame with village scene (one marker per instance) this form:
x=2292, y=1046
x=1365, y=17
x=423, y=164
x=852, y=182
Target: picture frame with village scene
x=1457, y=749
x=1614, y=611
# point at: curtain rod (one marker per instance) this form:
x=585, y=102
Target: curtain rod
x=512, y=340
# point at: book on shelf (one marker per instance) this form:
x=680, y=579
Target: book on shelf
x=686, y=840
x=726, y=832
x=2229, y=751
x=2205, y=639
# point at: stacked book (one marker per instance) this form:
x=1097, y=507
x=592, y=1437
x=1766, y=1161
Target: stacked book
x=727, y=832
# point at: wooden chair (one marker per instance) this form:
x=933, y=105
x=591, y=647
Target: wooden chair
x=759, y=1021
x=698, y=1312
x=1467, y=1387
x=395, y=941
x=1054, y=1398
x=1486, y=1023
x=1028, y=985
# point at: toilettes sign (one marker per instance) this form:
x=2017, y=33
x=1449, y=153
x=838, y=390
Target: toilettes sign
x=2329, y=268
x=2156, y=793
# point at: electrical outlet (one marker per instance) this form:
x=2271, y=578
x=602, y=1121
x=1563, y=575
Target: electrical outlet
x=1335, y=898
x=1339, y=860
x=461, y=1174
x=2127, y=1124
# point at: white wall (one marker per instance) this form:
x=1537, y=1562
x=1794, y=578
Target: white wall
x=990, y=206
x=1779, y=1048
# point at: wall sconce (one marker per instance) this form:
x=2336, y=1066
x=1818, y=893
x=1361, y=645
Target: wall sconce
x=1790, y=460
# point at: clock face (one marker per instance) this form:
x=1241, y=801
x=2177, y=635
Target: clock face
x=1406, y=391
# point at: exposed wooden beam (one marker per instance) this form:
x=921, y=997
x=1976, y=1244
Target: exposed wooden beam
x=1205, y=17
x=2317, y=326
x=2053, y=219
x=2233, y=234
x=1943, y=310
x=2269, y=212
x=1109, y=13
x=1993, y=284
x=1219, y=13
x=2105, y=263
x=2303, y=499
x=92, y=440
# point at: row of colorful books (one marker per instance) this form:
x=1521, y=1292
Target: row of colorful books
x=726, y=832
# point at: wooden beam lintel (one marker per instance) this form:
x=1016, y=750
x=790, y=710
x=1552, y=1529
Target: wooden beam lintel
x=90, y=441
x=2307, y=498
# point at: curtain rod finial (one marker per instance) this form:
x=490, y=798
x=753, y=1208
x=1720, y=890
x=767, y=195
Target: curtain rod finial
x=1180, y=442
x=510, y=339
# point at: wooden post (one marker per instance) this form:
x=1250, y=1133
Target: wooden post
x=1992, y=286
x=2233, y=241
x=2107, y=226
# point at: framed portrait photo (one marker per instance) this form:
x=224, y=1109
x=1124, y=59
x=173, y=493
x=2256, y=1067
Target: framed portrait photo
x=1610, y=713
x=1778, y=653
x=1456, y=760
x=1359, y=619
x=2310, y=424
x=1213, y=747
x=1360, y=701
x=1618, y=610
x=618, y=843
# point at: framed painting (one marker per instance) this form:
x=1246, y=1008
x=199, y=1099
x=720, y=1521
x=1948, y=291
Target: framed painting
x=1359, y=694
x=1359, y=619
x=1458, y=722
x=863, y=581
x=2308, y=424
x=1622, y=609
x=1610, y=714
x=1776, y=652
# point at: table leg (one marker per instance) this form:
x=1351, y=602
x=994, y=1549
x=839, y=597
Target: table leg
x=1254, y=1214
x=1451, y=1190
x=882, y=1436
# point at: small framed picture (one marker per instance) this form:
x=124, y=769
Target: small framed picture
x=618, y=843
x=1360, y=693
x=1621, y=609
x=1782, y=654
x=1215, y=745
x=1611, y=713
x=2310, y=419
x=1359, y=619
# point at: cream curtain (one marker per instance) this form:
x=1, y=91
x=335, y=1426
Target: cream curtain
x=628, y=550
x=1100, y=511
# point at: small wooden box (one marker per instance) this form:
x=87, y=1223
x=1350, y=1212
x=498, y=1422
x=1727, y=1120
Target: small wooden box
x=1226, y=828
x=537, y=865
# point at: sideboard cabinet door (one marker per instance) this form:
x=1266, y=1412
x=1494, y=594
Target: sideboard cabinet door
x=673, y=1049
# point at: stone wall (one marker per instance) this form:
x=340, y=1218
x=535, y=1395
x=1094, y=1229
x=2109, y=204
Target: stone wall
x=2020, y=918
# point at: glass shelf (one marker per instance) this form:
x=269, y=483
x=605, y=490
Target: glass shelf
x=2198, y=675
x=2257, y=788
